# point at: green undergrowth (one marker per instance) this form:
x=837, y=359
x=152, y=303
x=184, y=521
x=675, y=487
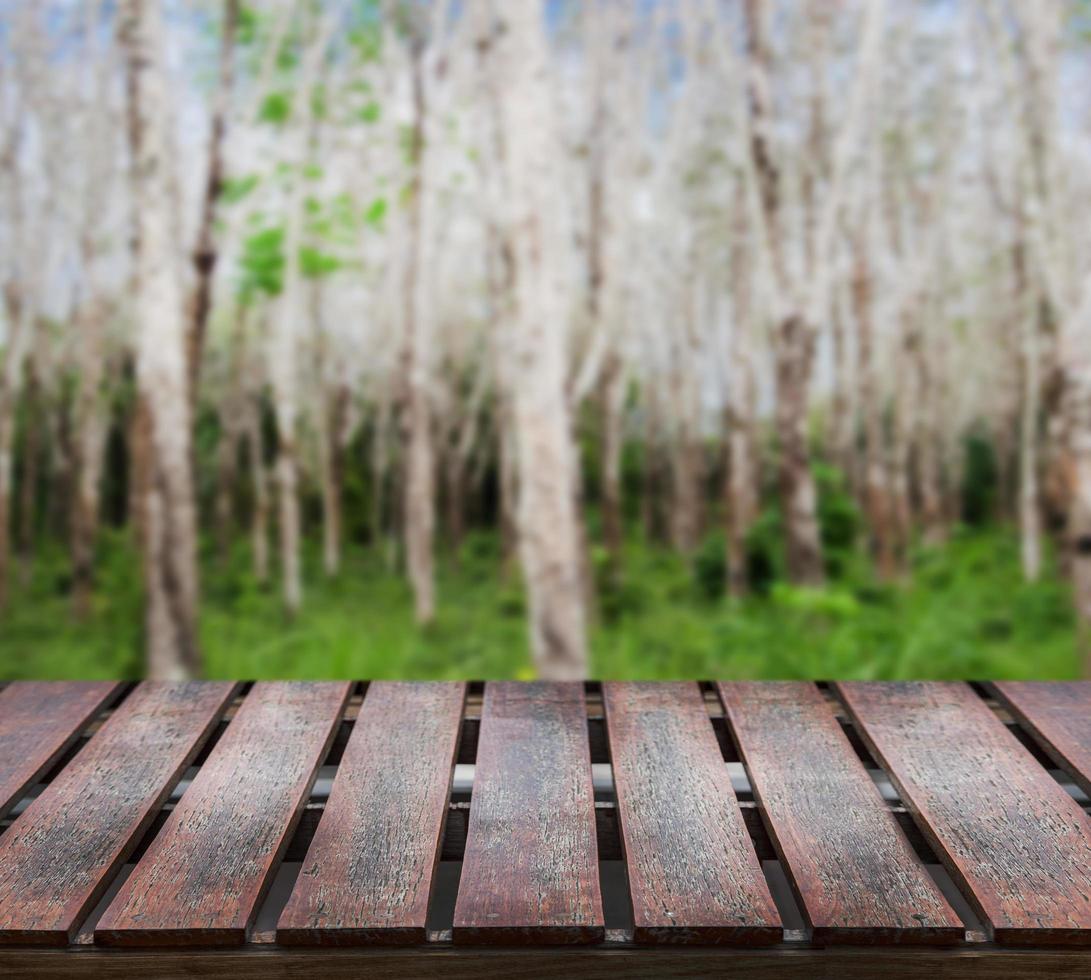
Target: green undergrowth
x=962, y=612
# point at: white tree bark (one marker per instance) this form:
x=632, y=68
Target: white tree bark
x=170, y=540
x=416, y=421
x=549, y=536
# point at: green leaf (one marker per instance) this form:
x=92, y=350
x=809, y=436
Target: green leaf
x=312, y=171
x=262, y=261
x=376, y=212
x=276, y=108
x=246, y=30
x=286, y=57
x=368, y=42
x=370, y=113
x=314, y=264
x=236, y=188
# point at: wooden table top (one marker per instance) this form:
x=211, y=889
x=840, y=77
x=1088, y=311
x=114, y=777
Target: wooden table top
x=284, y=828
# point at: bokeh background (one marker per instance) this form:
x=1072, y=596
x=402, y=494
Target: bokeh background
x=614, y=338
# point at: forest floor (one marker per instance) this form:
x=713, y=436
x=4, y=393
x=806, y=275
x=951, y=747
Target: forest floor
x=963, y=613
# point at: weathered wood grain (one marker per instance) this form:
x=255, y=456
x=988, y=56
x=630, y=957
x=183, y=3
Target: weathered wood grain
x=606, y=961
x=1009, y=834
x=38, y=721
x=203, y=877
x=1058, y=717
x=368, y=873
x=693, y=873
x=856, y=877
x=60, y=855
x=530, y=872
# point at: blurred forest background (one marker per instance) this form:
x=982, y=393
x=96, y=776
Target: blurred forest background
x=631, y=338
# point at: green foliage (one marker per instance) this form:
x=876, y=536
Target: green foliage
x=315, y=264
x=710, y=566
x=980, y=480
x=246, y=28
x=262, y=262
x=276, y=108
x=234, y=189
x=367, y=42
x=838, y=519
x=376, y=212
x=370, y=112
x=944, y=624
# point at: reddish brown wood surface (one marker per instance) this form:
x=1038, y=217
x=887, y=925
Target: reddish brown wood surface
x=368, y=873
x=693, y=873
x=855, y=875
x=62, y=852
x=1009, y=834
x=204, y=875
x=530, y=872
x=38, y=721
x=1058, y=716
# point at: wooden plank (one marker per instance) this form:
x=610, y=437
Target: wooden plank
x=854, y=873
x=39, y=720
x=530, y=872
x=58, y=858
x=1058, y=717
x=1018, y=844
x=607, y=961
x=204, y=876
x=693, y=873
x=368, y=873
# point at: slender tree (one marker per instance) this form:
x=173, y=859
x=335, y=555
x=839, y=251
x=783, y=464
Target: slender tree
x=169, y=508
x=549, y=535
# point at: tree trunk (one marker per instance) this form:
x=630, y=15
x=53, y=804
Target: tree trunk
x=613, y=445
x=90, y=439
x=509, y=489
x=741, y=477
x=803, y=544
x=687, y=478
x=288, y=516
x=1030, y=514
x=652, y=480
x=876, y=485
x=420, y=476
x=139, y=436
x=1078, y=405
x=905, y=402
x=332, y=472
x=794, y=339
x=379, y=465
x=204, y=252
x=227, y=450
x=32, y=452
x=259, y=518
x=170, y=553
x=926, y=438
x=549, y=534
x=842, y=428
x=284, y=348
x=11, y=373
x=455, y=496
x=6, y=441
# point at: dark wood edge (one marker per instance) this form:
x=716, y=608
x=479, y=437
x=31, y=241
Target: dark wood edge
x=785, y=962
